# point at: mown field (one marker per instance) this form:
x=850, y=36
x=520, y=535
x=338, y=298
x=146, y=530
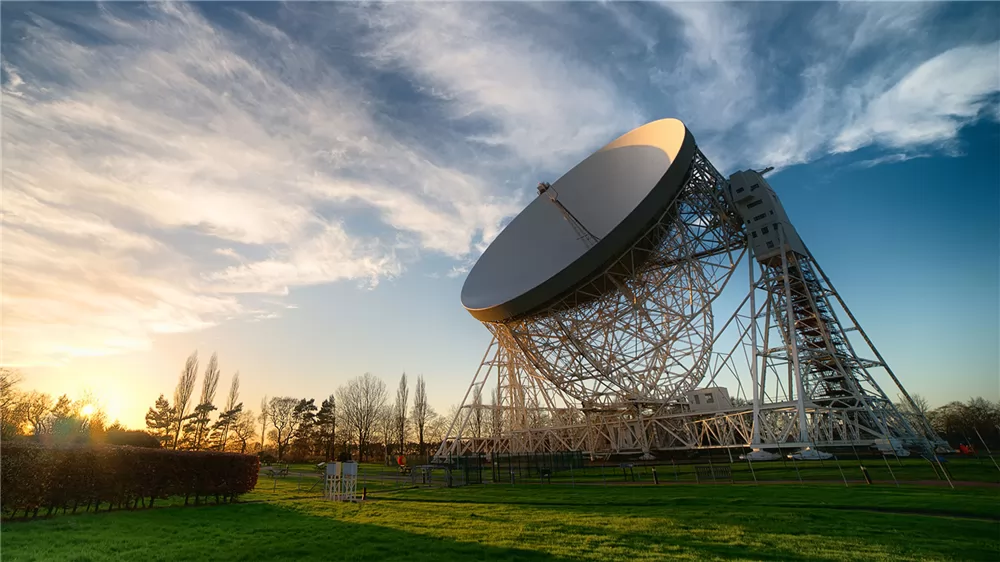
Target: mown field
x=286, y=520
x=880, y=470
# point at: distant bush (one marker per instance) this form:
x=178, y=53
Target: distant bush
x=131, y=438
x=35, y=478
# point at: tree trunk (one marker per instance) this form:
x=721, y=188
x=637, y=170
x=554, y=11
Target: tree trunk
x=423, y=451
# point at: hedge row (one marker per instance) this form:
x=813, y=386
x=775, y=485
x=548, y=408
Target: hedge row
x=36, y=479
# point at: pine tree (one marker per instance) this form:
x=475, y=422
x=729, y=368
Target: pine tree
x=160, y=420
x=304, y=423
x=326, y=426
x=221, y=429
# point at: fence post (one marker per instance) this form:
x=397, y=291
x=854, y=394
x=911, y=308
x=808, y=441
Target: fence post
x=987, y=447
x=750, y=464
x=890, y=469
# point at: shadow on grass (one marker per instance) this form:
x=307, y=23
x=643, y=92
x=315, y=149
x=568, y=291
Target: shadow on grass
x=817, y=532
x=823, y=524
x=236, y=532
x=590, y=506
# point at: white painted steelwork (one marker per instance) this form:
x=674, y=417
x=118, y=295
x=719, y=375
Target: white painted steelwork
x=622, y=366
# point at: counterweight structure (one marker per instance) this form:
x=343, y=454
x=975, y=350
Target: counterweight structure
x=631, y=359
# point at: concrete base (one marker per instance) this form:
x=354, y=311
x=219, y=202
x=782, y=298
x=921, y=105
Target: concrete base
x=758, y=455
x=810, y=454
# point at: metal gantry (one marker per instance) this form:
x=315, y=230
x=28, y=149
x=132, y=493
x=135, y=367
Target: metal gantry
x=639, y=369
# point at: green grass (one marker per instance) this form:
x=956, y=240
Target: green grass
x=539, y=522
x=378, y=476
x=831, y=471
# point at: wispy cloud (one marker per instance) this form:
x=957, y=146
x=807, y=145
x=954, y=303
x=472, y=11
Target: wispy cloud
x=164, y=168
x=931, y=103
x=842, y=77
x=542, y=106
x=889, y=159
x=147, y=149
x=714, y=80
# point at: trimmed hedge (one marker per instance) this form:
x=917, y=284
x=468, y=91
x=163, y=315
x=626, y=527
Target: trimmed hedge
x=37, y=479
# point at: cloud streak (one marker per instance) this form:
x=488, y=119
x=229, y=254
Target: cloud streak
x=543, y=107
x=166, y=165
x=147, y=154
x=857, y=75
x=934, y=101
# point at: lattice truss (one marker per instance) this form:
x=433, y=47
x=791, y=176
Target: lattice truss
x=836, y=400
x=609, y=372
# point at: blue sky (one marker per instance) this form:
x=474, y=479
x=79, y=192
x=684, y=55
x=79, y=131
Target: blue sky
x=301, y=187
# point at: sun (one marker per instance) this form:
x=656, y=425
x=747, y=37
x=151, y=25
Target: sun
x=87, y=410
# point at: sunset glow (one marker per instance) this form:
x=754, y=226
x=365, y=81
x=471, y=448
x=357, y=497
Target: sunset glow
x=303, y=187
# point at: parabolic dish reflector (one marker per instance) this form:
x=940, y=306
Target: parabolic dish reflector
x=615, y=195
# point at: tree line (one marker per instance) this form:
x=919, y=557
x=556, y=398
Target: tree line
x=358, y=420
x=361, y=419
x=38, y=417
x=975, y=422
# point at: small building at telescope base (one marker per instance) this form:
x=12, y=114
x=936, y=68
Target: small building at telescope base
x=709, y=399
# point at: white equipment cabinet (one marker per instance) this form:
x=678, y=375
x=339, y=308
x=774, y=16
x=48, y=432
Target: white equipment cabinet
x=341, y=481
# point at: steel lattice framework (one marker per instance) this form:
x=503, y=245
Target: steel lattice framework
x=613, y=372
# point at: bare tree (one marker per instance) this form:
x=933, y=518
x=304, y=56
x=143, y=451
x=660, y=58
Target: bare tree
x=361, y=402
x=243, y=428
x=12, y=411
x=496, y=418
x=228, y=416
x=263, y=422
x=37, y=406
x=281, y=410
x=203, y=411
x=477, y=413
x=420, y=411
x=182, y=394
x=8, y=380
x=387, y=426
x=972, y=422
x=919, y=402
x=402, y=396
x=916, y=412
x=437, y=425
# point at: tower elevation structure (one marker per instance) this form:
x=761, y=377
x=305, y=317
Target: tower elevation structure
x=601, y=298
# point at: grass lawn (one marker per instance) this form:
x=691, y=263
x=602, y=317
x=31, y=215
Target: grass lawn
x=882, y=471
x=539, y=522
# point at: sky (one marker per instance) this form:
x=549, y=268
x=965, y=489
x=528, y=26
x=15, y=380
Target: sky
x=302, y=187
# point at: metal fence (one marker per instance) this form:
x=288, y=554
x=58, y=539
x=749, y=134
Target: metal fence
x=575, y=469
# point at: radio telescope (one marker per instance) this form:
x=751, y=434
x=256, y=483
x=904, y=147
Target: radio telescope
x=601, y=296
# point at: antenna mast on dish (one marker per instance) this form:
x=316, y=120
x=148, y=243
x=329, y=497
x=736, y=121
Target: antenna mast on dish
x=582, y=233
